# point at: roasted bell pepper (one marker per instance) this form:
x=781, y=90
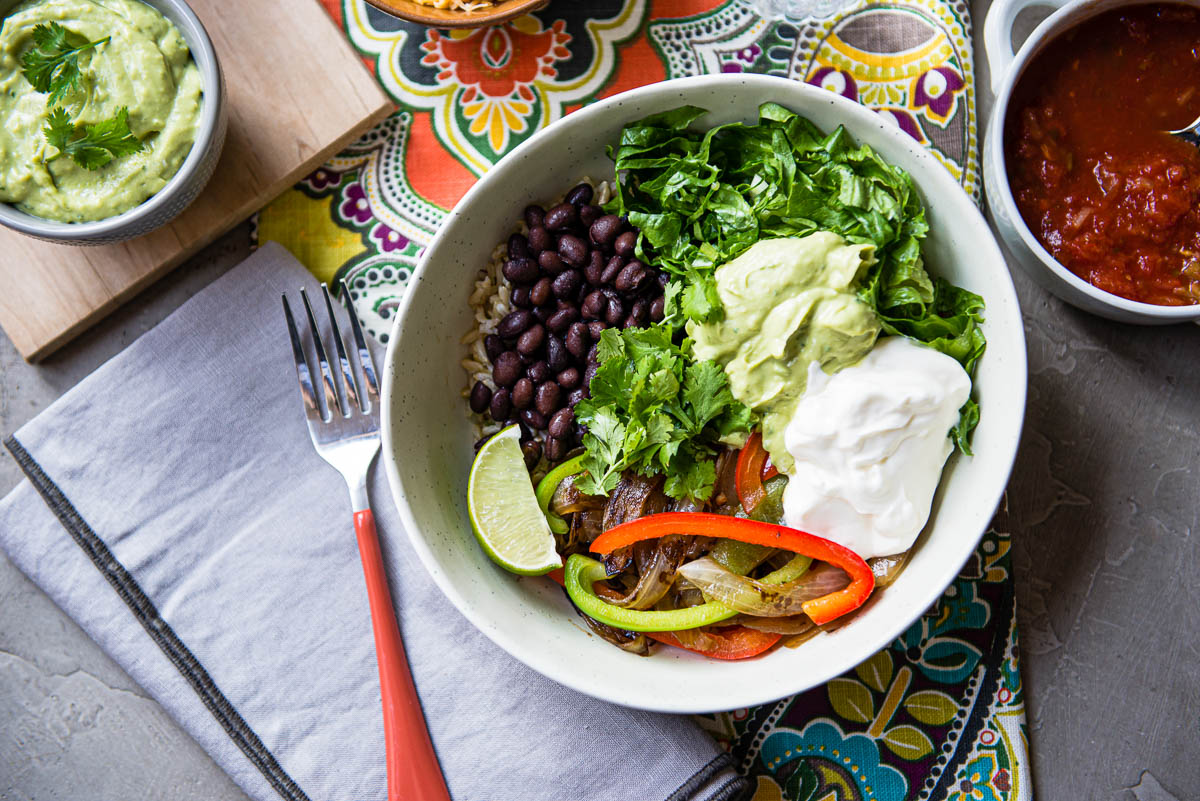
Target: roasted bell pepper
x=749, y=473
x=547, y=486
x=583, y=572
x=733, y=642
x=821, y=610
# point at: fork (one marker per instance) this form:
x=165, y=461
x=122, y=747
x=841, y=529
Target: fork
x=343, y=422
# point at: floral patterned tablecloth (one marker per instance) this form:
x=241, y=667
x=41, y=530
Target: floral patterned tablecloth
x=939, y=713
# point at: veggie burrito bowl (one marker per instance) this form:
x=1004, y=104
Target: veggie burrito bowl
x=705, y=393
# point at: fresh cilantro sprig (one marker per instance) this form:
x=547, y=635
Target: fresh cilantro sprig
x=91, y=146
x=52, y=64
x=655, y=410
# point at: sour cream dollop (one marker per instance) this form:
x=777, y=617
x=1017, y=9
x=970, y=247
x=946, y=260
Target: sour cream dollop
x=869, y=443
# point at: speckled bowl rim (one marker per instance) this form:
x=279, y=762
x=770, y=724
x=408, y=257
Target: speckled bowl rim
x=205, y=56
x=1005, y=430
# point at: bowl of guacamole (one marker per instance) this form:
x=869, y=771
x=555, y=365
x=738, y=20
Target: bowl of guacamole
x=111, y=116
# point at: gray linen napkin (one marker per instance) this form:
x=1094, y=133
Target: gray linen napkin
x=175, y=508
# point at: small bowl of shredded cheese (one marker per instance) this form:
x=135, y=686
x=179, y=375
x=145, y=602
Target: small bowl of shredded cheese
x=458, y=13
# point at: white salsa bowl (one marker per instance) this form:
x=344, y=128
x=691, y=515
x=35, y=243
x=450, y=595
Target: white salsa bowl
x=428, y=438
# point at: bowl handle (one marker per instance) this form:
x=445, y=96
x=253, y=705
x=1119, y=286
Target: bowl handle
x=997, y=34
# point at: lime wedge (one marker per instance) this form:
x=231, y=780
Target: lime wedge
x=504, y=509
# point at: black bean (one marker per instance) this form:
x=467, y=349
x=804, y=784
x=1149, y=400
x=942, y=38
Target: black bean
x=534, y=419
x=539, y=239
x=522, y=393
x=535, y=216
x=521, y=271
x=631, y=276
x=540, y=293
x=612, y=269
x=518, y=247
x=624, y=244
x=577, y=340
x=557, y=356
x=562, y=319
x=529, y=342
x=514, y=323
x=589, y=374
x=556, y=449
x=543, y=313
x=594, y=305
x=479, y=443
x=593, y=354
x=526, y=359
x=604, y=230
x=580, y=195
x=657, y=309
x=588, y=214
x=532, y=451
x=520, y=297
x=564, y=215
x=567, y=283
x=538, y=372
x=595, y=267
x=573, y=250
x=493, y=345
x=501, y=404
x=548, y=396
x=569, y=379
x=615, y=313
x=595, y=329
x=507, y=369
x=639, y=312
x=663, y=279
x=481, y=396
x=575, y=396
x=562, y=423
x=551, y=263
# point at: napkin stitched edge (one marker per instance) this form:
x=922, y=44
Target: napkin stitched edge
x=143, y=609
x=734, y=787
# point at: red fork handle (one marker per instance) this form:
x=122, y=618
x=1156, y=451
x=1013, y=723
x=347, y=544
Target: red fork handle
x=413, y=773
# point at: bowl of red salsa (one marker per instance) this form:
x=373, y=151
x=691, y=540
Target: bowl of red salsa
x=1085, y=185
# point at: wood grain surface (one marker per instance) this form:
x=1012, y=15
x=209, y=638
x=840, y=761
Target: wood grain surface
x=295, y=98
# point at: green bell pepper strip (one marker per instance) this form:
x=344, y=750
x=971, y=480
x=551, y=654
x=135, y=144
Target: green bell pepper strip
x=547, y=486
x=582, y=572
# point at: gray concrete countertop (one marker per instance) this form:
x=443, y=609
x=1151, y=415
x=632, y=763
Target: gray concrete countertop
x=1103, y=502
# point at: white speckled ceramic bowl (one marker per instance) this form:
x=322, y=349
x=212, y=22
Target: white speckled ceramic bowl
x=184, y=187
x=427, y=446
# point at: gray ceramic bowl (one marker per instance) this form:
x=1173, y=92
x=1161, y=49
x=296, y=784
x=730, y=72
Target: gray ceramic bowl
x=182, y=189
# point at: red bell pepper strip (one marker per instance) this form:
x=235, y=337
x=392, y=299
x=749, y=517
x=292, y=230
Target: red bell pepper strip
x=733, y=642
x=821, y=610
x=750, y=464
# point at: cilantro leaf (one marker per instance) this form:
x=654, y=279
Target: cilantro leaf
x=656, y=411
x=52, y=64
x=96, y=144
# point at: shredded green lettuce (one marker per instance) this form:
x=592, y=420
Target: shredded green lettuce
x=700, y=198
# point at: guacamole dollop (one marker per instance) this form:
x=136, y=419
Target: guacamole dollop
x=788, y=303
x=145, y=66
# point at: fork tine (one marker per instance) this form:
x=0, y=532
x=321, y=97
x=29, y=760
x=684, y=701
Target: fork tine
x=303, y=373
x=347, y=377
x=371, y=395
x=332, y=400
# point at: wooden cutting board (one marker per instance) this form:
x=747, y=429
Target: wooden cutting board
x=297, y=94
